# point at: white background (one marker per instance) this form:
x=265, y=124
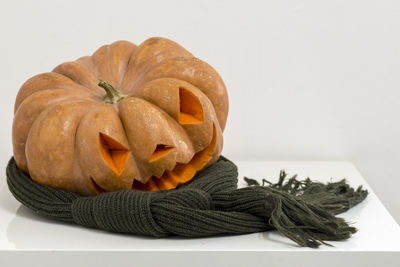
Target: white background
x=307, y=80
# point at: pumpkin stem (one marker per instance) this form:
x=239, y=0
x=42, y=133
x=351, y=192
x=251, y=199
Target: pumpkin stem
x=113, y=95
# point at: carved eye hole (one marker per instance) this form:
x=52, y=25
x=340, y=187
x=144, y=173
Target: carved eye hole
x=160, y=151
x=190, y=108
x=114, y=153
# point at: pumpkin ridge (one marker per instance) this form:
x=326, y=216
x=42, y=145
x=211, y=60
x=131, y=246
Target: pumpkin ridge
x=149, y=68
x=108, y=64
x=184, y=58
x=50, y=105
x=82, y=95
x=86, y=79
x=89, y=69
x=77, y=169
x=129, y=146
x=53, y=76
x=174, y=46
x=121, y=79
x=138, y=81
x=103, y=69
x=36, y=161
x=218, y=98
x=101, y=65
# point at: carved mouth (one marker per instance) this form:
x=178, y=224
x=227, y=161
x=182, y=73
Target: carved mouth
x=115, y=154
x=182, y=173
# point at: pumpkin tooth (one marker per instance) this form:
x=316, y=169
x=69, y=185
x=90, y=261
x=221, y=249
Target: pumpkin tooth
x=173, y=179
x=151, y=185
x=185, y=172
x=160, y=182
x=190, y=108
x=164, y=183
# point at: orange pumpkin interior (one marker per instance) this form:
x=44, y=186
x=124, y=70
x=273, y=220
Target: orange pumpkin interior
x=114, y=153
x=160, y=151
x=182, y=173
x=190, y=108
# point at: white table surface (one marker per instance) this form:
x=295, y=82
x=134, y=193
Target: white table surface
x=27, y=238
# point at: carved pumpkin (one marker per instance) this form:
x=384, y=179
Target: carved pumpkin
x=144, y=117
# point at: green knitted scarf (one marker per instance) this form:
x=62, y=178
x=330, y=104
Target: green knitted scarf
x=211, y=204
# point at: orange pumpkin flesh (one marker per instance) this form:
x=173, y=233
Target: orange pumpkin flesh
x=152, y=122
x=190, y=110
x=113, y=153
x=161, y=150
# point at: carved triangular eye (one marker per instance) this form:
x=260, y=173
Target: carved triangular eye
x=160, y=151
x=114, y=153
x=190, y=108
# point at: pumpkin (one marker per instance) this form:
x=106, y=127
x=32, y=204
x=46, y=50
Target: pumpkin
x=145, y=117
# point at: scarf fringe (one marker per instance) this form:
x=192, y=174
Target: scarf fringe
x=304, y=210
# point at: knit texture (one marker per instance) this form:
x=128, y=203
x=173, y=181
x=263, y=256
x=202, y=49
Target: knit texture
x=210, y=204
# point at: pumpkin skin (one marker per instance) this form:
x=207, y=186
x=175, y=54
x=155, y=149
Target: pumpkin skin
x=165, y=125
